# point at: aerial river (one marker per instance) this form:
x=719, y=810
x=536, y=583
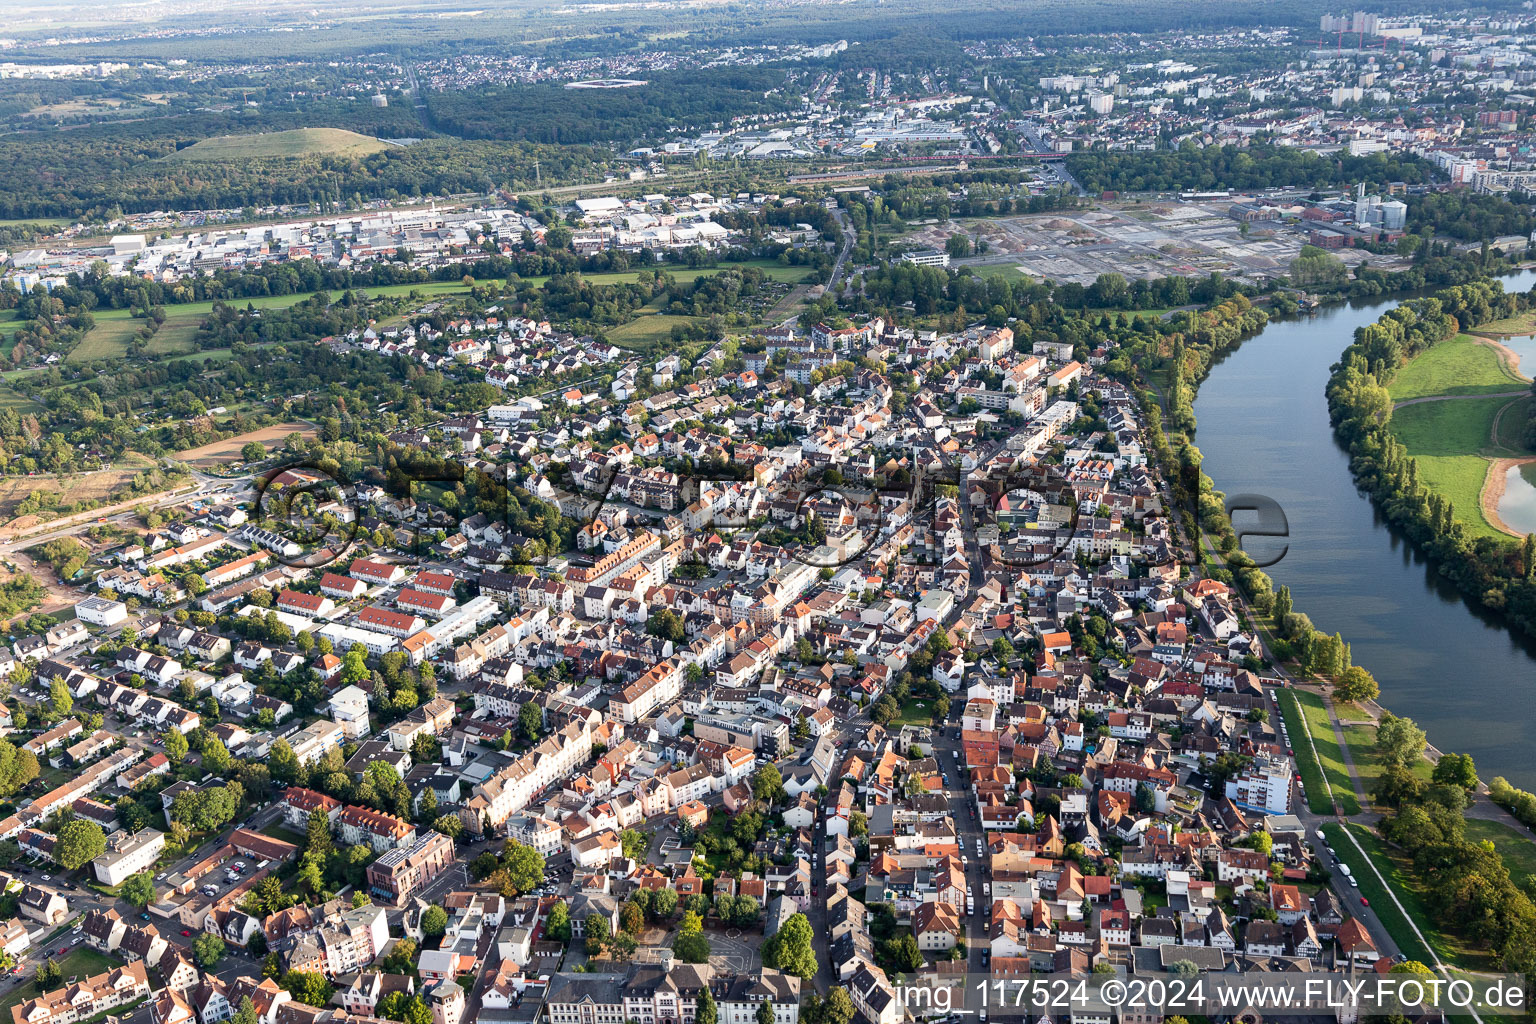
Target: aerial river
x=1263, y=427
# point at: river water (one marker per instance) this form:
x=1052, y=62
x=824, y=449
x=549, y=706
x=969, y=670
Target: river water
x=1263, y=427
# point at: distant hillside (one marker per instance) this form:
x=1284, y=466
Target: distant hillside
x=296, y=143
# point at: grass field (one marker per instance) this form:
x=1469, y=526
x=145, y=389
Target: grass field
x=1522, y=323
x=21, y=403
x=277, y=831
x=915, y=712
x=1461, y=479
x=175, y=338
x=82, y=487
x=218, y=355
x=1306, y=764
x=771, y=268
x=41, y=222
x=1330, y=756
x=1461, y=366
x=298, y=142
x=1004, y=270
x=107, y=340
x=1448, y=440
x=646, y=331
x=1460, y=427
x=1519, y=852
x=110, y=340
x=115, y=328
x=1511, y=426
x=1361, y=740
x=225, y=452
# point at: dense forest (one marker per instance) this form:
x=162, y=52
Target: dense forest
x=1465, y=883
x=669, y=104
x=1491, y=572
x=1471, y=216
x=93, y=171
x=73, y=301
x=1232, y=167
x=929, y=290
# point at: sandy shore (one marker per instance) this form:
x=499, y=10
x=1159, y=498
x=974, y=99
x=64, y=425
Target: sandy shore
x=1493, y=493
x=1508, y=356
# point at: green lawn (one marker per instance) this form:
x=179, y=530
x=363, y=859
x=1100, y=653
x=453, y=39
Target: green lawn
x=1306, y=763
x=1455, y=427
x=1518, y=852
x=218, y=355
x=41, y=222
x=1448, y=440
x=107, y=340
x=1006, y=270
x=1520, y=323
x=110, y=339
x=647, y=331
x=1361, y=739
x=1330, y=756
x=21, y=403
x=1511, y=426
x=915, y=712
x=279, y=831
x=115, y=328
x=772, y=268
x=177, y=336
x=1460, y=478
x=1460, y=366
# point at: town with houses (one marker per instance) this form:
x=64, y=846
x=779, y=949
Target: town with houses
x=834, y=687
x=757, y=740
x=1397, y=69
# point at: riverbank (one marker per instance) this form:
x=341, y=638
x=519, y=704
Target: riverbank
x=1264, y=430
x=1508, y=357
x=1493, y=492
x=1416, y=480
